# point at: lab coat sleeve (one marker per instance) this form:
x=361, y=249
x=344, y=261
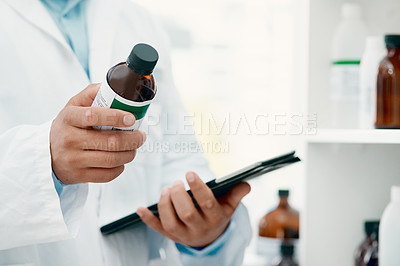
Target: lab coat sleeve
x=228, y=249
x=31, y=211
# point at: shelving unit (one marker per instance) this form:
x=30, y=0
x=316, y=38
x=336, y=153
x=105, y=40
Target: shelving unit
x=355, y=136
x=348, y=173
x=345, y=185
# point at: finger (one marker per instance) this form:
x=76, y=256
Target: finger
x=204, y=196
x=184, y=205
x=84, y=117
x=107, y=140
x=168, y=218
x=96, y=175
x=151, y=220
x=85, y=97
x=105, y=159
x=230, y=201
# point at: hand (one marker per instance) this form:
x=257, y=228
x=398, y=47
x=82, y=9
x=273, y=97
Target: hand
x=81, y=154
x=182, y=222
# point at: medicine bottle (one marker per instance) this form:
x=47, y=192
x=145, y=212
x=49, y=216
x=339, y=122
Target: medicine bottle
x=388, y=86
x=282, y=222
x=348, y=42
x=367, y=252
x=130, y=85
x=375, y=51
x=286, y=258
x=389, y=231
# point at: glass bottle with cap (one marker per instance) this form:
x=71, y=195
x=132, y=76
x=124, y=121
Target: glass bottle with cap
x=367, y=252
x=130, y=85
x=388, y=86
x=282, y=222
x=286, y=258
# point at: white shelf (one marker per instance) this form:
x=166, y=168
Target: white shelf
x=348, y=173
x=373, y=136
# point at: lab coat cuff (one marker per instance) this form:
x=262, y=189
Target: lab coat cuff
x=211, y=249
x=72, y=201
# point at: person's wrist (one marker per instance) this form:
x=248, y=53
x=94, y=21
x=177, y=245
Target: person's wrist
x=212, y=248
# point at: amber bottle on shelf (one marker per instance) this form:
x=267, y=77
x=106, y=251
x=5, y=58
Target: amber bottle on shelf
x=388, y=86
x=286, y=258
x=367, y=252
x=282, y=222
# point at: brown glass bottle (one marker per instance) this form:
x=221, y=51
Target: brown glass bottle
x=130, y=85
x=367, y=252
x=286, y=257
x=388, y=86
x=282, y=222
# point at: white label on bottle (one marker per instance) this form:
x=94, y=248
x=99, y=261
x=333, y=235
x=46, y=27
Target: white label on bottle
x=345, y=82
x=106, y=97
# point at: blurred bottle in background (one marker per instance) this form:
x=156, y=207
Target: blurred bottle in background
x=374, y=52
x=347, y=47
x=388, y=86
x=389, y=232
x=280, y=224
x=286, y=257
x=367, y=252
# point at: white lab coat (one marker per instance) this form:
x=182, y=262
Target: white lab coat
x=38, y=74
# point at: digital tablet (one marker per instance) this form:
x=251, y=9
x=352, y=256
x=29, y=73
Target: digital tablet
x=219, y=187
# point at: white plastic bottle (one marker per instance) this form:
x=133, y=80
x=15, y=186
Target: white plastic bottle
x=347, y=47
x=389, y=231
x=375, y=51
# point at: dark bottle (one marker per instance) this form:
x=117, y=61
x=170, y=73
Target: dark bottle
x=367, y=252
x=286, y=257
x=388, y=86
x=282, y=222
x=130, y=85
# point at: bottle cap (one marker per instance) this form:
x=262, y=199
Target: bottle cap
x=287, y=249
x=142, y=59
x=351, y=10
x=371, y=227
x=392, y=40
x=283, y=193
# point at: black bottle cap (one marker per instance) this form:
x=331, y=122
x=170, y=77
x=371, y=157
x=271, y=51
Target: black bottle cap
x=283, y=193
x=392, y=40
x=371, y=227
x=143, y=59
x=287, y=249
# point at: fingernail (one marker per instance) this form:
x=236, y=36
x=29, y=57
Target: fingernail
x=139, y=213
x=190, y=177
x=165, y=191
x=128, y=120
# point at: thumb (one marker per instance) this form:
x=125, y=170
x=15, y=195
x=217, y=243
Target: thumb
x=230, y=201
x=86, y=97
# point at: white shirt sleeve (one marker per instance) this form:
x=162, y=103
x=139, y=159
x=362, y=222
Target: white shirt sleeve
x=30, y=210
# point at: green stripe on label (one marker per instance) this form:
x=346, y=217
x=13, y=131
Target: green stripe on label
x=346, y=62
x=138, y=111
